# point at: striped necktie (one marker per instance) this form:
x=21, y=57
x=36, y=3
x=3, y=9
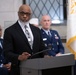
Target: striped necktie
x=1, y=44
x=27, y=33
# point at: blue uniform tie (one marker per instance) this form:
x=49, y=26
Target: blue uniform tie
x=49, y=34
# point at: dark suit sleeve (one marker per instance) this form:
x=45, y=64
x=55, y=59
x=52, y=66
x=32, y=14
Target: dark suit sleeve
x=8, y=47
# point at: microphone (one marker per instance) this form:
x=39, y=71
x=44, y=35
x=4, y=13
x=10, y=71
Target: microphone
x=49, y=48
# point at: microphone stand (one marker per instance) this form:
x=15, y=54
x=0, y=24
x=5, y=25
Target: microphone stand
x=49, y=48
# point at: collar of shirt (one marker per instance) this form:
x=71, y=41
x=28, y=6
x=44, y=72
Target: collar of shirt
x=46, y=31
x=22, y=24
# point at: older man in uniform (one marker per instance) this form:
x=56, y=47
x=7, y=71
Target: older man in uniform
x=51, y=37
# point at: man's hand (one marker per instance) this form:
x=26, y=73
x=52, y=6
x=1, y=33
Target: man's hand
x=24, y=56
x=8, y=66
x=58, y=54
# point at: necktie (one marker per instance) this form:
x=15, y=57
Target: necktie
x=1, y=45
x=27, y=33
x=49, y=34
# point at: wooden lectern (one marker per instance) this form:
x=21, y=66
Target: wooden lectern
x=60, y=65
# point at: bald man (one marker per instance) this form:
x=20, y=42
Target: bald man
x=51, y=37
x=22, y=40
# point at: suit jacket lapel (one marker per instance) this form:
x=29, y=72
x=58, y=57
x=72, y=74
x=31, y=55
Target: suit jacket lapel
x=34, y=36
x=33, y=32
x=20, y=31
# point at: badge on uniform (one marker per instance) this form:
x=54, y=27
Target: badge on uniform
x=56, y=37
x=44, y=39
x=57, y=43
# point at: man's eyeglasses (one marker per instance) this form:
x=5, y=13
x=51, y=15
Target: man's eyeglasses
x=25, y=13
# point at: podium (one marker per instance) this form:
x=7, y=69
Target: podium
x=60, y=65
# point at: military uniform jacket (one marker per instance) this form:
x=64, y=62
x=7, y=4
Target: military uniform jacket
x=1, y=53
x=54, y=41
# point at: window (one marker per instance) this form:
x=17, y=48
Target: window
x=54, y=8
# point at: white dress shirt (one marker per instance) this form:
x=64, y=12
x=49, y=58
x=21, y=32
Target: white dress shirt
x=22, y=25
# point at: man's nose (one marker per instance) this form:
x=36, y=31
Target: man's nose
x=24, y=15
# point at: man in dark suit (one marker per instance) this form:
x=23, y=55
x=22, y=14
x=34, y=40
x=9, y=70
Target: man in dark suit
x=51, y=37
x=18, y=45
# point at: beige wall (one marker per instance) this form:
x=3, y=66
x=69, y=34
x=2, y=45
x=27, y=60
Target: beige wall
x=8, y=11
